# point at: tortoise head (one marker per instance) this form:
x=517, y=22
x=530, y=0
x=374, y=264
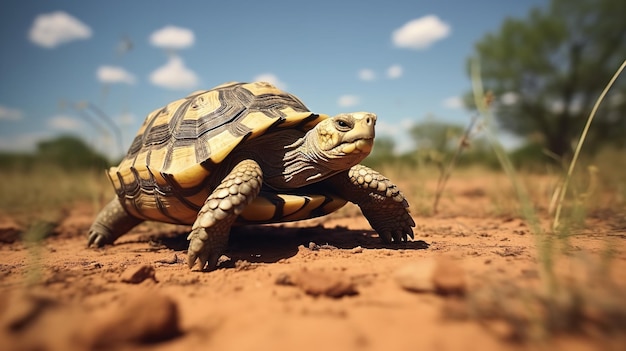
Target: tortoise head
x=345, y=139
x=335, y=144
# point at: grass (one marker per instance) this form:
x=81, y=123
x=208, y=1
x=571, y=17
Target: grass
x=44, y=193
x=563, y=192
x=560, y=305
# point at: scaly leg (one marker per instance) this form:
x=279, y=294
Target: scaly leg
x=380, y=200
x=209, y=234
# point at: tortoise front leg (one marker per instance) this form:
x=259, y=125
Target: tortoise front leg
x=210, y=232
x=380, y=200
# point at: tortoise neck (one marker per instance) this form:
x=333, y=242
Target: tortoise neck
x=290, y=159
x=305, y=163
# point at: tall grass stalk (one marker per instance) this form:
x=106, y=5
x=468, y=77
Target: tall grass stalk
x=447, y=171
x=563, y=190
x=528, y=212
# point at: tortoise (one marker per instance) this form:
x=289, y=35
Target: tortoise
x=246, y=153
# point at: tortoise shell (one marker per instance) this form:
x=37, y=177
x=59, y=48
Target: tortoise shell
x=165, y=174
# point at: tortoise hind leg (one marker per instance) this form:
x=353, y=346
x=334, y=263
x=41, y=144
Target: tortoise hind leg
x=210, y=232
x=111, y=223
x=380, y=200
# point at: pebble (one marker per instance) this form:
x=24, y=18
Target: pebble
x=442, y=276
x=137, y=274
x=140, y=319
x=356, y=250
x=317, y=282
x=416, y=276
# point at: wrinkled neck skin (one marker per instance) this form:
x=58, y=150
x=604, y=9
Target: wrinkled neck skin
x=305, y=163
x=292, y=159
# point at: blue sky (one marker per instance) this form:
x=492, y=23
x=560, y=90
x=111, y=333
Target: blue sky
x=403, y=60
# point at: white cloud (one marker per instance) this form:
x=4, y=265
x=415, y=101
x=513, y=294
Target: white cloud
x=53, y=29
x=367, y=74
x=172, y=37
x=509, y=98
x=394, y=72
x=64, y=122
x=348, y=100
x=174, y=75
x=453, y=103
x=420, y=33
x=272, y=79
x=10, y=114
x=113, y=74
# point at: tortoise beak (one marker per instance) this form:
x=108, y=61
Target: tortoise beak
x=361, y=138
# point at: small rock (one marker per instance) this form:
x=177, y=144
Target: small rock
x=313, y=246
x=442, y=276
x=94, y=265
x=223, y=259
x=140, y=319
x=417, y=276
x=137, y=274
x=356, y=250
x=244, y=265
x=319, y=282
x=172, y=260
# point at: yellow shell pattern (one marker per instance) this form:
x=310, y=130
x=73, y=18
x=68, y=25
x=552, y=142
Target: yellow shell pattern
x=166, y=173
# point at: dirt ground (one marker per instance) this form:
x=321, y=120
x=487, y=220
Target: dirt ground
x=322, y=284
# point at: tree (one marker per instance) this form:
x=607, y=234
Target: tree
x=549, y=69
x=69, y=152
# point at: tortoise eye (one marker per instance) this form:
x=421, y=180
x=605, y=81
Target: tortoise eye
x=343, y=125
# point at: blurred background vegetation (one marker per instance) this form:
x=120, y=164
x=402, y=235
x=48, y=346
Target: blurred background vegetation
x=545, y=72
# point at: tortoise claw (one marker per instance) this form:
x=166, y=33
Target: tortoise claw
x=97, y=239
x=385, y=236
x=398, y=236
x=201, y=250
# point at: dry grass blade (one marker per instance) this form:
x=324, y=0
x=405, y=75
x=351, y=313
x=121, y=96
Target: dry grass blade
x=527, y=208
x=563, y=191
x=445, y=174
